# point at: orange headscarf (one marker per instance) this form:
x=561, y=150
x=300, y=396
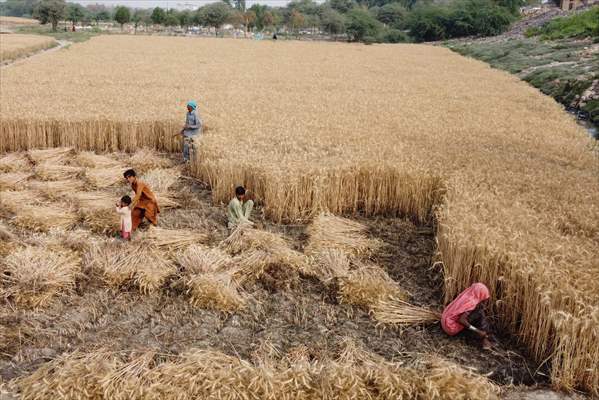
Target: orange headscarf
x=466, y=301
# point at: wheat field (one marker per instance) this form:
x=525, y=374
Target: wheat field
x=13, y=46
x=509, y=178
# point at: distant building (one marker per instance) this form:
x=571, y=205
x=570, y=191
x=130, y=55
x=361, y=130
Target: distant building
x=567, y=5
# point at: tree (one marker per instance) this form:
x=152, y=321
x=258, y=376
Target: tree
x=268, y=19
x=215, y=15
x=240, y=5
x=51, y=11
x=343, y=6
x=140, y=16
x=236, y=19
x=18, y=8
x=428, y=22
x=75, y=13
x=296, y=20
x=122, y=15
x=259, y=11
x=392, y=14
x=249, y=18
x=185, y=18
x=158, y=16
x=171, y=19
x=361, y=25
x=332, y=21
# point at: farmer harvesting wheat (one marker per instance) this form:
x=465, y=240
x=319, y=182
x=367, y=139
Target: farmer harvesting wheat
x=144, y=203
x=467, y=311
x=192, y=128
x=240, y=208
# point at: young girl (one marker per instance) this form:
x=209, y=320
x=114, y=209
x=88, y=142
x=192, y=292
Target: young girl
x=124, y=211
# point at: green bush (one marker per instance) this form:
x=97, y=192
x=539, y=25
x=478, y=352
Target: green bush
x=361, y=25
x=585, y=24
x=394, y=36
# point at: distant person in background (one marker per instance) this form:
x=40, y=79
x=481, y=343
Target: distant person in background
x=467, y=312
x=144, y=204
x=274, y=36
x=191, y=130
x=240, y=208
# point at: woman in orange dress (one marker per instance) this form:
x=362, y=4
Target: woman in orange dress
x=144, y=203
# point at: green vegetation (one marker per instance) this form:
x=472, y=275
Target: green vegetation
x=66, y=35
x=581, y=25
x=367, y=21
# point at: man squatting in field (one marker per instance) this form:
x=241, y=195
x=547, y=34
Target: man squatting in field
x=192, y=129
x=467, y=311
x=144, y=204
x=240, y=208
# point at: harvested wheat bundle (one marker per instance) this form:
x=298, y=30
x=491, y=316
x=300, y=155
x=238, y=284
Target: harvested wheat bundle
x=245, y=238
x=146, y=159
x=33, y=275
x=5, y=233
x=48, y=171
x=72, y=376
x=56, y=189
x=119, y=263
x=367, y=286
x=77, y=240
x=13, y=200
x=124, y=382
x=166, y=201
x=97, y=210
x=44, y=217
x=209, y=280
x=14, y=162
x=89, y=159
x=161, y=180
x=13, y=180
x=105, y=177
x=173, y=240
x=331, y=232
x=8, y=240
x=396, y=311
x=331, y=263
x=447, y=381
x=56, y=155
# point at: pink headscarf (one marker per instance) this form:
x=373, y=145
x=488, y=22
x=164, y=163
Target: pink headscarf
x=466, y=301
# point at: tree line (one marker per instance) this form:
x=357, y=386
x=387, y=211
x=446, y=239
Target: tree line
x=367, y=21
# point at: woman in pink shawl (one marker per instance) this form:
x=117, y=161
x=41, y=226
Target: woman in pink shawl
x=467, y=312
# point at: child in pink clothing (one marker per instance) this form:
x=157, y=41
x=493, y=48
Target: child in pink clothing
x=124, y=211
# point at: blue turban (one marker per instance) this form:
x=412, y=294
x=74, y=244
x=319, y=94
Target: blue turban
x=192, y=104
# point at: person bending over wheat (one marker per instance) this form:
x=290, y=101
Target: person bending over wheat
x=467, y=312
x=144, y=204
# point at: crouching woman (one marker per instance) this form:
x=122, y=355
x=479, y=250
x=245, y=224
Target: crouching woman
x=144, y=203
x=467, y=312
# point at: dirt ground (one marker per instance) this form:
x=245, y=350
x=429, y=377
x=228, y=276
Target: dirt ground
x=286, y=310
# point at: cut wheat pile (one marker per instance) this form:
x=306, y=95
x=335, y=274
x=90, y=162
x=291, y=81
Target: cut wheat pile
x=16, y=45
x=399, y=131
x=32, y=276
x=199, y=373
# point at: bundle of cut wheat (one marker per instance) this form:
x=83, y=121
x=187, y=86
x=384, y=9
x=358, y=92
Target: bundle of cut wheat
x=119, y=263
x=173, y=240
x=166, y=201
x=32, y=276
x=89, y=159
x=14, y=162
x=71, y=376
x=104, y=177
x=8, y=242
x=56, y=155
x=209, y=279
x=49, y=171
x=331, y=232
x=331, y=263
x=13, y=180
x=392, y=310
x=13, y=200
x=77, y=240
x=161, y=180
x=98, y=211
x=147, y=159
x=44, y=217
x=367, y=286
x=54, y=190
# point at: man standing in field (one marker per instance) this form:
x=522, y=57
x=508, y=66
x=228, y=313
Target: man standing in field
x=144, y=204
x=192, y=129
x=240, y=208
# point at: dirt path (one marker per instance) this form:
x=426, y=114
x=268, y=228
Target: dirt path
x=61, y=44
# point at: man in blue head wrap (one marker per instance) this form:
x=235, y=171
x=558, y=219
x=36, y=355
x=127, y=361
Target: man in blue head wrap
x=192, y=129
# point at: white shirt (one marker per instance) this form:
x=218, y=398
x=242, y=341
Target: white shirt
x=125, y=213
